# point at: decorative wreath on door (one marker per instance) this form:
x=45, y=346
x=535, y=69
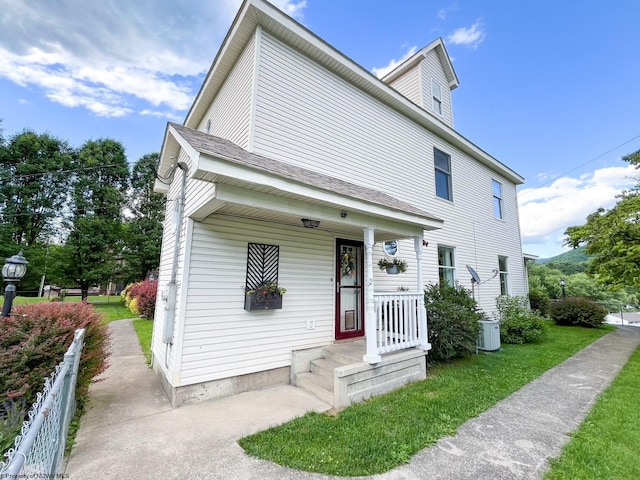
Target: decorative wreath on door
x=348, y=265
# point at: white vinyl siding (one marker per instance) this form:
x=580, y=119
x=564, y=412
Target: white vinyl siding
x=409, y=85
x=432, y=72
x=166, y=354
x=230, y=112
x=221, y=339
x=307, y=116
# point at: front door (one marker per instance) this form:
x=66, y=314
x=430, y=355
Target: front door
x=349, y=289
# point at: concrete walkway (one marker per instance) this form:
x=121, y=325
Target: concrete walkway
x=132, y=432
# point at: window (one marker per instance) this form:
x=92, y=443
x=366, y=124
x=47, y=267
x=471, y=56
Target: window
x=442, y=163
x=436, y=93
x=504, y=276
x=446, y=266
x=497, y=199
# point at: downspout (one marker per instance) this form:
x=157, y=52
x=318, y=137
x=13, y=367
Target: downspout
x=172, y=293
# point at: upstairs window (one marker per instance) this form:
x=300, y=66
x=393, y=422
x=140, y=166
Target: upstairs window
x=436, y=93
x=442, y=163
x=504, y=275
x=497, y=199
x=446, y=266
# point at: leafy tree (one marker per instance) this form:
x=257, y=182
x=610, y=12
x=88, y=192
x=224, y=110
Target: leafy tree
x=98, y=189
x=143, y=230
x=613, y=238
x=34, y=186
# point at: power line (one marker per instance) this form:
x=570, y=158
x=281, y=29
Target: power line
x=57, y=172
x=587, y=163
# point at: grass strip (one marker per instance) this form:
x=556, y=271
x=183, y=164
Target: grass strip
x=606, y=445
x=386, y=431
x=144, y=328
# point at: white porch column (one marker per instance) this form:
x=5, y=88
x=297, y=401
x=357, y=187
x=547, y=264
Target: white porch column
x=422, y=311
x=371, y=356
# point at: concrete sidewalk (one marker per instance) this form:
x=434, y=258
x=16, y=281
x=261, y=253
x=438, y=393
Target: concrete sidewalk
x=132, y=432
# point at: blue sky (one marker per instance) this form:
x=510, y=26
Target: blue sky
x=549, y=88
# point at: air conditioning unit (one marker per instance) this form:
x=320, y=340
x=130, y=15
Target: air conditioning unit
x=489, y=339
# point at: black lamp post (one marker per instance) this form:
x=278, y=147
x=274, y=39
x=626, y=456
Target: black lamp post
x=12, y=272
x=562, y=284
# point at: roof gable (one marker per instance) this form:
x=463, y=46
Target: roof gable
x=445, y=61
x=254, y=14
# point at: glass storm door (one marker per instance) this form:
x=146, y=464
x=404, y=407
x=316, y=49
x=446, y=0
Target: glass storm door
x=349, y=289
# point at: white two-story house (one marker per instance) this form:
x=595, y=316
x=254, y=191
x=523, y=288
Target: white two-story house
x=297, y=167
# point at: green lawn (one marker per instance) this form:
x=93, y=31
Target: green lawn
x=144, y=328
x=386, y=431
x=110, y=306
x=606, y=445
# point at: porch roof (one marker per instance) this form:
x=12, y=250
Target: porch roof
x=236, y=172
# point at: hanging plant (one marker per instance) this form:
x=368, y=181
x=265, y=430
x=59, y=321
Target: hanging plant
x=393, y=266
x=348, y=265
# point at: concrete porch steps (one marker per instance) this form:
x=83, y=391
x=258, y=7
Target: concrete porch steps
x=337, y=375
x=319, y=380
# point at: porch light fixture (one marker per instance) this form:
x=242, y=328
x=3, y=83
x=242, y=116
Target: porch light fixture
x=308, y=223
x=12, y=272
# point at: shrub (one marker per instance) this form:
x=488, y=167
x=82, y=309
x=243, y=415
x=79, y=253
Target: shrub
x=140, y=298
x=578, y=311
x=539, y=300
x=34, y=342
x=517, y=324
x=453, y=317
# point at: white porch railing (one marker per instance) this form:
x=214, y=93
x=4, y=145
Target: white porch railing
x=397, y=319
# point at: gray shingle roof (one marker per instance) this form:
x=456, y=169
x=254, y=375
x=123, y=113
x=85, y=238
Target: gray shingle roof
x=229, y=151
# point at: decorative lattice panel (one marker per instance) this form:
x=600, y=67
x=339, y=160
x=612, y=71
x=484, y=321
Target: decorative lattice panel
x=262, y=264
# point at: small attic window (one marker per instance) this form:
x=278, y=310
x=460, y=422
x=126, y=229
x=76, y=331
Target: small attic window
x=208, y=126
x=436, y=92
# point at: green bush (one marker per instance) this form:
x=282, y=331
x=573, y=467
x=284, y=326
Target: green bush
x=453, y=317
x=578, y=311
x=35, y=341
x=517, y=324
x=539, y=300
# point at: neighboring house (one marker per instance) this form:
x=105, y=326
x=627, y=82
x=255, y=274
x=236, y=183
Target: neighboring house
x=296, y=165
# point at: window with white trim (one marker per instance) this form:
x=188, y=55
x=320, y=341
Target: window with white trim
x=442, y=163
x=497, y=199
x=436, y=93
x=446, y=265
x=504, y=275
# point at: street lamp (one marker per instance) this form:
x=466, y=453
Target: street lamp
x=562, y=284
x=12, y=272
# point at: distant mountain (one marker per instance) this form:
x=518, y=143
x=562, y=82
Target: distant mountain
x=573, y=261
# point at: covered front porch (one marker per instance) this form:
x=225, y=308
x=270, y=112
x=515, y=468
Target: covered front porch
x=232, y=183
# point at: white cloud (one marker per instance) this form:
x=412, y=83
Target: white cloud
x=106, y=56
x=382, y=71
x=470, y=37
x=444, y=12
x=546, y=212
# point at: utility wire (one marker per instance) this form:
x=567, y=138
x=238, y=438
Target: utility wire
x=586, y=163
x=57, y=172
